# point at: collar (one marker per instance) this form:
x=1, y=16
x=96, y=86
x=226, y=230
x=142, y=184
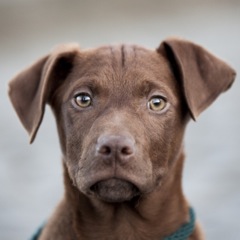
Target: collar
x=37, y=233
x=184, y=232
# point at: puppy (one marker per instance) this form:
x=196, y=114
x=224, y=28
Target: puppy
x=121, y=113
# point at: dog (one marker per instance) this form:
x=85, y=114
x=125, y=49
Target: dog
x=121, y=113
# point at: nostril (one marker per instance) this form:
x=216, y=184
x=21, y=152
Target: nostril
x=126, y=151
x=105, y=150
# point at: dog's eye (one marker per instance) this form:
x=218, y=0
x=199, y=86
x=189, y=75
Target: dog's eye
x=157, y=103
x=83, y=100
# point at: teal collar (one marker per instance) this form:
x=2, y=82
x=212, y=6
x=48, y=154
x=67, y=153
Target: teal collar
x=185, y=231
x=37, y=233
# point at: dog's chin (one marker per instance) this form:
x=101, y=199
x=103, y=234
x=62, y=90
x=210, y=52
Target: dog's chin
x=114, y=190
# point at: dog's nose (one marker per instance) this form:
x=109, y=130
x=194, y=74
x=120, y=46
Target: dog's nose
x=115, y=148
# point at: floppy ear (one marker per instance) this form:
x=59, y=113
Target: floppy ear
x=202, y=75
x=29, y=90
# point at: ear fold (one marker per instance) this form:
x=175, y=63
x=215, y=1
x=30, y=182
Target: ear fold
x=202, y=75
x=29, y=90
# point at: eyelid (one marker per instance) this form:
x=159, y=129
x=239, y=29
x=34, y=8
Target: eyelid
x=76, y=94
x=158, y=95
x=81, y=90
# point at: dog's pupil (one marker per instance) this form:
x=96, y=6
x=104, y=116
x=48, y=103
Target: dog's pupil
x=83, y=100
x=156, y=101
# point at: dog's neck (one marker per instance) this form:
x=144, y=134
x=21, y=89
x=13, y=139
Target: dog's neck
x=156, y=215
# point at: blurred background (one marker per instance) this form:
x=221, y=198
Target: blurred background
x=31, y=175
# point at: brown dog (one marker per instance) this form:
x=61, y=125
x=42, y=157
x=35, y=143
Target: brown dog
x=121, y=113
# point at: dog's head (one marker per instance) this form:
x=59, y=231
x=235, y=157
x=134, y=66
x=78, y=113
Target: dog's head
x=121, y=110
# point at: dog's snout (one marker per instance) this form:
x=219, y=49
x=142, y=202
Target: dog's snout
x=115, y=148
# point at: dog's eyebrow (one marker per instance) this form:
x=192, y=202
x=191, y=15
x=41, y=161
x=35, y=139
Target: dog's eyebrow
x=146, y=86
x=89, y=82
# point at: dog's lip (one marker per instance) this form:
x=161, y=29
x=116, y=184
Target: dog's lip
x=106, y=178
x=143, y=183
x=113, y=178
x=114, y=190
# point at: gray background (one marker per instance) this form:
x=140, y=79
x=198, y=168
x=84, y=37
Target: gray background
x=31, y=176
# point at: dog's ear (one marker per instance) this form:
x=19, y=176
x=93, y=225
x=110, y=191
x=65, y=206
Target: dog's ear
x=29, y=91
x=203, y=76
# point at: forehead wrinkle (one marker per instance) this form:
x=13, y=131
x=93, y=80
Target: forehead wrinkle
x=116, y=57
x=116, y=74
x=123, y=56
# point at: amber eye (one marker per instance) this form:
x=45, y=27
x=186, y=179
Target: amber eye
x=83, y=100
x=157, y=103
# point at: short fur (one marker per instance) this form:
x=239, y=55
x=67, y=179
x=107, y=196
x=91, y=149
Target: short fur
x=122, y=160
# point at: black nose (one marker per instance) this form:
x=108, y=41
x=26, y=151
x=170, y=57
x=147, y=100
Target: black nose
x=115, y=148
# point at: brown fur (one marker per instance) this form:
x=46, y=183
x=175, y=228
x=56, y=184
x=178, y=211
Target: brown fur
x=122, y=161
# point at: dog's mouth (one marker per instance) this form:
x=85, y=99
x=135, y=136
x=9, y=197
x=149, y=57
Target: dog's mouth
x=114, y=190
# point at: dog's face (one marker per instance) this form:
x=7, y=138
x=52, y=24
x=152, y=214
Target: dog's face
x=121, y=111
x=121, y=119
